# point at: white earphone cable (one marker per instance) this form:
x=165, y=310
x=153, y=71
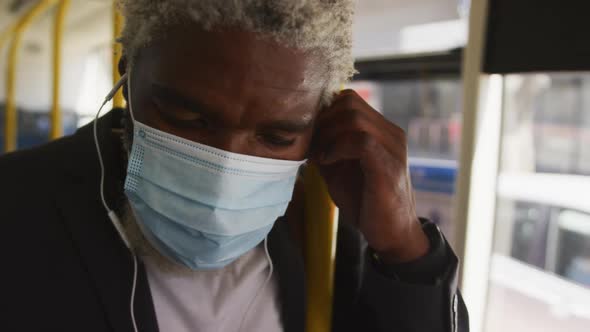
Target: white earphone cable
x=111, y=214
x=95, y=131
x=262, y=286
x=132, y=301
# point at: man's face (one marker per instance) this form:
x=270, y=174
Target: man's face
x=228, y=89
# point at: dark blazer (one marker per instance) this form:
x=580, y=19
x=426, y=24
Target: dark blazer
x=64, y=268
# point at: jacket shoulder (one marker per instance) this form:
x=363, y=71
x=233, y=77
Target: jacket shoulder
x=42, y=160
x=30, y=173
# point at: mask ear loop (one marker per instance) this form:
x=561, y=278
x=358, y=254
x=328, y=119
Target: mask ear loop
x=112, y=215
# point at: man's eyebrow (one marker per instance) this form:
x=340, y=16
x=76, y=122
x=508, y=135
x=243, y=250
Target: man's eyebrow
x=177, y=97
x=292, y=126
x=286, y=125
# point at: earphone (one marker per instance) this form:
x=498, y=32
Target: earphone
x=112, y=215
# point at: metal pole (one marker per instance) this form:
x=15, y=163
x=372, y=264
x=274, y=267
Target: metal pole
x=472, y=67
x=5, y=35
x=56, y=119
x=11, y=123
x=321, y=225
x=4, y=38
x=118, y=100
x=474, y=208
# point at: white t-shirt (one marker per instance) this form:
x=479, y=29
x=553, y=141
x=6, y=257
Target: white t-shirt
x=211, y=301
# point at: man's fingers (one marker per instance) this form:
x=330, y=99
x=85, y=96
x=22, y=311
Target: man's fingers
x=346, y=147
x=352, y=140
x=360, y=146
x=350, y=112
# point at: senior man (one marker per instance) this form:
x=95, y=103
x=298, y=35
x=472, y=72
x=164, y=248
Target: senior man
x=182, y=212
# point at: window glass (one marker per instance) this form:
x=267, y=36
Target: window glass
x=33, y=126
x=540, y=267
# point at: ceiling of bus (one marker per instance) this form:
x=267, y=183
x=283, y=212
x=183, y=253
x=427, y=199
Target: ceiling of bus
x=10, y=9
x=381, y=26
x=79, y=12
x=379, y=29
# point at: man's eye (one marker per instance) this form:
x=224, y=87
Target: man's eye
x=277, y=140
x=179, y=116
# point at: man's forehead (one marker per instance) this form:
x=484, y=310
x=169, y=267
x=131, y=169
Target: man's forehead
x=225, y=56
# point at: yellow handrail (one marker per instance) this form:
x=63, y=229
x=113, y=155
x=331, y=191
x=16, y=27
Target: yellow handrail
x=56, y=119
x=10, y=130
x=118, y=100
x=320, y=227
x=5, y=35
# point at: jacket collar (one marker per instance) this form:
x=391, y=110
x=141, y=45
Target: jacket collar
x=288, y=261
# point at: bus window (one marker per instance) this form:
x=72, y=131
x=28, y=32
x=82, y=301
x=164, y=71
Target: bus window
x=34, y=126
x=540, y=267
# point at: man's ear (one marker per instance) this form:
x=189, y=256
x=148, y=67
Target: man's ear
x=122, y=66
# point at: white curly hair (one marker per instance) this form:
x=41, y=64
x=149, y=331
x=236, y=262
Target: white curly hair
x=319, y=27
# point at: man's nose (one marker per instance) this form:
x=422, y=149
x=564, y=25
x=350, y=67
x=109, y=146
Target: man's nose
x=236, y=142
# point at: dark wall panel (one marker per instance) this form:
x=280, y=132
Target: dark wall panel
x=537, y=35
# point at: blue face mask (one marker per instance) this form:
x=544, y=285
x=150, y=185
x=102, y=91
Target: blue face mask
x=200, y=206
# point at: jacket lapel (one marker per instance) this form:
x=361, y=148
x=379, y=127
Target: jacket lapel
x=108, y=261
x=288, y=261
